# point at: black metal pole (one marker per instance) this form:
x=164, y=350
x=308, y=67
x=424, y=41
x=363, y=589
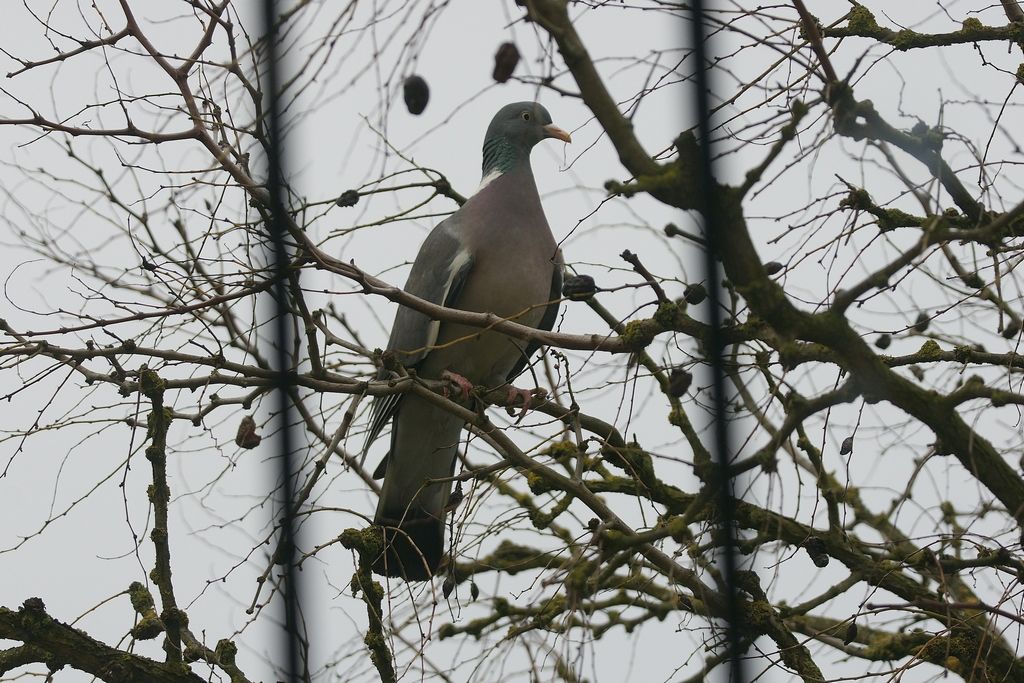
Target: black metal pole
x=711, y=211
x=282, y=361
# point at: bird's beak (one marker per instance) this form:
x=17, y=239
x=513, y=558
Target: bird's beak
x=553, y=131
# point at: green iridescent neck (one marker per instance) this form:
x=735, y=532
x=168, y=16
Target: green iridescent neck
x=501, y=156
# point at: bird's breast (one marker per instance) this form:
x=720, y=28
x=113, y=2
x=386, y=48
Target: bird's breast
x=516, y=289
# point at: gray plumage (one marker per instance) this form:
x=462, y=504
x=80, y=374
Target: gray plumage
x=495, y=254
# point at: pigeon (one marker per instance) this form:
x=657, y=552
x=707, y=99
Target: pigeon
x=495, y=254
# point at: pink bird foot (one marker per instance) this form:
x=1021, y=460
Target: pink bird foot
x=464, y=385
x=516, y=394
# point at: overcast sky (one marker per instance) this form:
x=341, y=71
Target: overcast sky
x=83, y=558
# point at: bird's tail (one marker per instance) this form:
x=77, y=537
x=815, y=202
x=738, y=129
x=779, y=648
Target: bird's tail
x=416, y=490
x=413, y=546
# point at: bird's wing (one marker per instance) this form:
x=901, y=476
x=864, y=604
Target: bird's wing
x=438, y=275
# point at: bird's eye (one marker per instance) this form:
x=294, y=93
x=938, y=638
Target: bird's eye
x=526, y=116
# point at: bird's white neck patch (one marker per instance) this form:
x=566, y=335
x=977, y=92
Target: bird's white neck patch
x=488, y=179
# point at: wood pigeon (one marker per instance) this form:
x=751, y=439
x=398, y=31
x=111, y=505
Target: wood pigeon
x=495, y=254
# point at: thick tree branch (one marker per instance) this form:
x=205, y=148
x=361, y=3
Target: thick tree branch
x=553, y=16
x=67, y=646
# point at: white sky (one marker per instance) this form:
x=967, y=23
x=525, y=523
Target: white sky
x=87, y=556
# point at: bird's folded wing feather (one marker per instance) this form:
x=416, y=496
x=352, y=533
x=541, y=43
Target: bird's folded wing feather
x=437, y=275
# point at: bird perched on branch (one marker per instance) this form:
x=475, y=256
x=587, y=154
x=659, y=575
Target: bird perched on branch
x=495, y=254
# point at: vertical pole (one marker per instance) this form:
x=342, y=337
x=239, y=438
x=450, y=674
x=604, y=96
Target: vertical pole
x=282, y=343
x=711, y=212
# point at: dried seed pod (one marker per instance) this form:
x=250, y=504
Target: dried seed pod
x=883, y=341
x=921, y=324
x=851, y=633
x=474, y=590
x=695, y=294
x=815, y=548
x=505, y=61
x=246, y=436
x=416, y=93
x=578, y=287
x=847, y=446
x=1011, y=330
x=456, y=498
x=772, y=267
x=973, y=280
x=448, y=586
x=678, y=382
x=347, y=198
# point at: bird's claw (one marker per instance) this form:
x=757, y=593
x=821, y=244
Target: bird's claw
x=463, y=384
x=526, y=396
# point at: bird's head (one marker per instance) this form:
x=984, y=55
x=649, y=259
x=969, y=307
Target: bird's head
x=513, y=132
